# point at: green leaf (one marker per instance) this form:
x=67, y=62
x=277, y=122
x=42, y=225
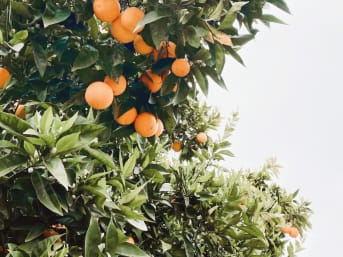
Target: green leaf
x=192, y=37
x=130, y=250
x=280, y=4
x=35, y=231
x=242, y=39
x=14, y=125
x=19, y=37
x=46, y=121
x=53, y=14
x=68, y=142
x=252, y=230
x=151, y=17
x=66, y=125
x=10, y=163
x=271, y=18
x=29, y=148
x=158, y=32
x=231, y=15
x=235, y=55
x=165, y=246
x=21, y=9
x=112, y=239
x=40, y=58
x=220, y=57
x=216, y=14
x=88, y=56
x=94, y=28
x=131, y=195
x=129, y=166
x=8, y=145
x=45, y=193
x=92, y=239
x=201, y=79
x=139, y=224
x=101, y=156
x=56, y=168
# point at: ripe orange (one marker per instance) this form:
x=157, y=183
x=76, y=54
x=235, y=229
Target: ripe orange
x=106, y=10
x=294, y=232
x=131, y=240
x=4, y=76
x=286, y=230
x=127, y=117
x=121, y=34
x=168, y=49
x=146, y=124
x=117, y=88
x=201, y=138
x=141, y=46
x=20, y=111
x=99, y=95
x=177, y=146
x=50, y=232
x=152, y=81
x=160, y=128
x=131, y=17
x=181, y=67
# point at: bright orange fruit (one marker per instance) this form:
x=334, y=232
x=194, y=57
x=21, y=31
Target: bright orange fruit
x=146, y=124
x=4, y=76
x=99, y=95
x=119, y=87
x=127, y=117
x=106, y=10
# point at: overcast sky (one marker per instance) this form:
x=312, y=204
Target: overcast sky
x=290, y=102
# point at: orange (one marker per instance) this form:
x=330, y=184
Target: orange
x=160, y=128
x=286, y=230
x=201, y=138
x=177, y=146
x=131, y=17
x=119, y=87
x=146, y=124
x=181, y=67
x=152, y=81
x=131, y=240
x=50, y=232
x=99, y=95
x=140, y=46
x=121, y=34
x=20, y=111
x=106, y=10
x=127, y=117
x=4, y=76
x=168, y=49
x=294, y=232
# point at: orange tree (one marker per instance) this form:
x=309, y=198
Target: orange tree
x=94, y=95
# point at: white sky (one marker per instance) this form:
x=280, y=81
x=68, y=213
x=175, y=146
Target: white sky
x=290, y=103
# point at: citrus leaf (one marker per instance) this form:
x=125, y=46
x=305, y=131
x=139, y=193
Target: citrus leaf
x=45, y=193
x=56, y=168
x=92, y=239
x=112, y=239
x=53, y=14
x=88, y=56
x=40, y=58
x=68, y=142
x=130, y=250
x=8, y=165
x=151, y=17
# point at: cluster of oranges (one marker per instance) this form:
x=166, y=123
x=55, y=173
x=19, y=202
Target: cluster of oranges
x=125, y=29
x=292, y=231
x=100, y=95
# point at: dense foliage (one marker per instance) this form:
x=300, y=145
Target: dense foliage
x=74, y=182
